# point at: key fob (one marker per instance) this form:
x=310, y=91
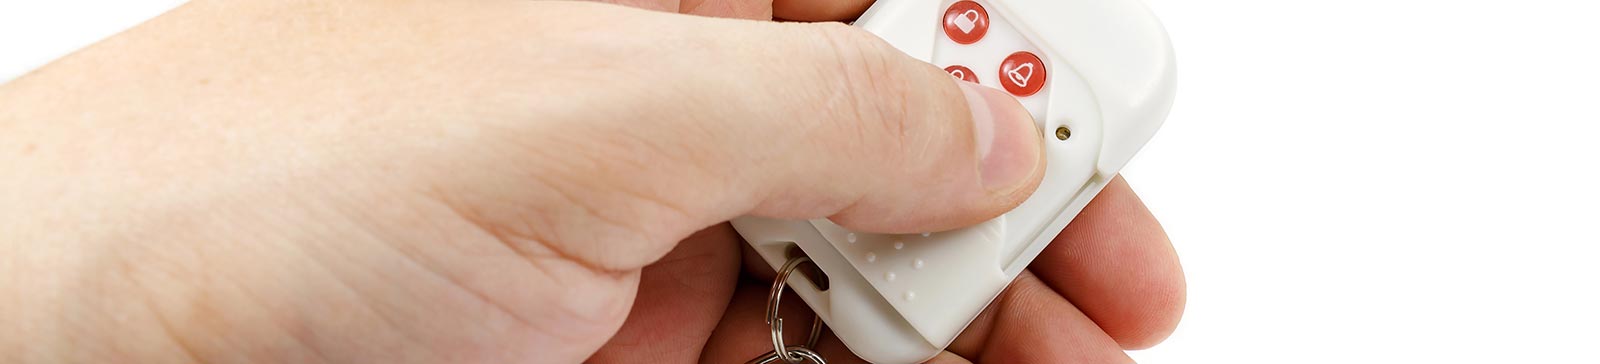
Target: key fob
x=1098, y=77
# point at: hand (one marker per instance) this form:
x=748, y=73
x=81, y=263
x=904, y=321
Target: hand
x=475, y=181
x=1109, y=282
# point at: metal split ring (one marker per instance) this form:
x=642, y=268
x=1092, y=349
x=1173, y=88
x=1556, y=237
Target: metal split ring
x=798, y=352
x=785, y=353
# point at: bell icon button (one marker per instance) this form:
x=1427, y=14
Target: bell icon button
x=1022, y=74
x=966, y=22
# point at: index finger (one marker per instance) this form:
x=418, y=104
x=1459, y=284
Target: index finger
x=1115, y=263
x=819, y=10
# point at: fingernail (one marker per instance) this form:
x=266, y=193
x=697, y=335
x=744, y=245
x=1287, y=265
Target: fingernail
x=1008, y=141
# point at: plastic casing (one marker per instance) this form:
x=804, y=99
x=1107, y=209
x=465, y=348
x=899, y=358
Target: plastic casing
x=903, y=298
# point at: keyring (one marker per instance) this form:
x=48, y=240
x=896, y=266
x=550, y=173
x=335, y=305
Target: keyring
x=801, y=353
x=789, y=354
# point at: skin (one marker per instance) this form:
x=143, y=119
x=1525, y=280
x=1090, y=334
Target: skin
x=415, y=181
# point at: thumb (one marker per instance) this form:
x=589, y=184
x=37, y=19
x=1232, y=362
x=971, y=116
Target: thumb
x=843, y=125
x=720, y=118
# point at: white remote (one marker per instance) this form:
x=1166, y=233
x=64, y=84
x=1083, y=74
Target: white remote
x=1098, y=77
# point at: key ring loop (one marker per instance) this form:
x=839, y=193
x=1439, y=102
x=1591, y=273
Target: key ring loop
x=773, y=296
x=799, y=353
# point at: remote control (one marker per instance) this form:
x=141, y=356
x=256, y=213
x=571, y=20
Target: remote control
x=1098, y=77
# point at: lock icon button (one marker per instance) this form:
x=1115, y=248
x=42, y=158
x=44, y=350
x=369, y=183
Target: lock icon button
x=966, y=22
x=962, y=73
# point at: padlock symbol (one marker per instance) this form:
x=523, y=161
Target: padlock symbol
x=962, y=73
x=967, y=21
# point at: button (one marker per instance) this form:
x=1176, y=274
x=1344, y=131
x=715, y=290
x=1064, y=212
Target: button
x=963, y=73
x=966, y=22
x=1022, y=74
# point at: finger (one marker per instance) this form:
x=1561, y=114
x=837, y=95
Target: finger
x=834, y=350
x=755, y=266
x=657, y=5
x=836, y=353
x=681, y=298
x=948, y=358
x=1116, y=264
x=857, y=132
x=743, y=332
x=819, y=10
x=1032, y=324
x=738, y=9
x=972, y=339
x=1028, y=323
x=856, y=123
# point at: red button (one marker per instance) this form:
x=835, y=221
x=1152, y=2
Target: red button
x=1022, y=74
x=963, y=73
x=966, y=22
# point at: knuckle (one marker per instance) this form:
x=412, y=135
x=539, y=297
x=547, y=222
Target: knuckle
x=601, y=232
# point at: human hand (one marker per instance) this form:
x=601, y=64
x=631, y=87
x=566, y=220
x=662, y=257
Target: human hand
x=369, y=181
x=1110, y=282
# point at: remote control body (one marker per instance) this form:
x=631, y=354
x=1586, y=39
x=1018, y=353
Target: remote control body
x=1101, y=69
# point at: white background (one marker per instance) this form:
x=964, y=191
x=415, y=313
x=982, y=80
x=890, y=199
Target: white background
x=1347, y=181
